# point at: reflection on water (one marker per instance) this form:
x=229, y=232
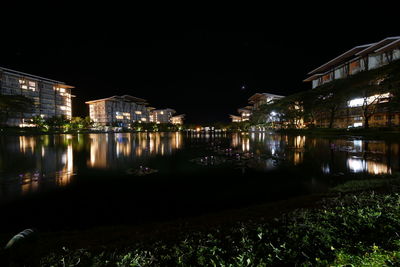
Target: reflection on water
x=28, y=163
x=112, y=150
x=32, y=163
x=333, y=156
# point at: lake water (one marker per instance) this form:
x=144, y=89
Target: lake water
x=220, y=169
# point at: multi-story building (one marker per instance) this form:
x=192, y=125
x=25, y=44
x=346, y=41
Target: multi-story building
x=358, y=59
x=256, y=101
x=260, y=99
x=161, y=115
x=50, y=97
x=118, y=110
x=235, y=118
x=178, y=119
x=245, y=114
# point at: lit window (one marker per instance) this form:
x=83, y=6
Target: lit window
x=161, y=112
x=24, y=87
x=143, y=119
x=358, y=102
x=62, y=90
x=138, y=112
x=63, y=107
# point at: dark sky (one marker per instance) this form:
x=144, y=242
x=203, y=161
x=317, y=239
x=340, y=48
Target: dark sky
x=194, y=61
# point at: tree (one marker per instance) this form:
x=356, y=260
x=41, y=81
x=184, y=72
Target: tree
x=57, y=122
x=10, y=105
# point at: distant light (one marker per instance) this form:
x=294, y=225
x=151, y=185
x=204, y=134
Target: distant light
x=273, y=113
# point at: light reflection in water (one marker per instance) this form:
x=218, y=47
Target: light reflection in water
x=30, y=163
x=357, y=165
x=358, y=156
x=112, y=150
x=37, y=162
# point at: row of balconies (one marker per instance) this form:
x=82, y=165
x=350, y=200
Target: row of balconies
x=357, y=65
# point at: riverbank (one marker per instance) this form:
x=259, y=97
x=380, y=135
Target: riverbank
x=37, y=131
x=354, y=223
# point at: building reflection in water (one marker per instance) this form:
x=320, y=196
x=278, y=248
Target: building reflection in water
x=41, y=161
x=121, y=149
x=353, y=156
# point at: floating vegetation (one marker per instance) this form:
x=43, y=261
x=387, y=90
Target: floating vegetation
x=141, y=171
x=239, y=160
x=209, y=160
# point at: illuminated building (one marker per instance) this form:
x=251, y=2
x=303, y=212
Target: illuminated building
x=358, y=59
x=50, y=97
x=245, y=114
x=162, y=115
x=118, y=110
x=178, y=119
x=260, y=99
x=256, y=101
x=235, y=118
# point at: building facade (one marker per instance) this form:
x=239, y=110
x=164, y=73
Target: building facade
x=358, y=59
x=162, y=115
x=118, y=111
x=260, y=99
x=256, y=101
x=51, y=98
x=178, y=119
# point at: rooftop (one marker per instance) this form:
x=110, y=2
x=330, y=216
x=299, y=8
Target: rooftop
x=357, y=51
x=35, y=77
x=126, y=98
x=259, y=95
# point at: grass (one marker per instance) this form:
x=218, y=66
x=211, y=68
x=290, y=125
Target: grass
x=352, y=229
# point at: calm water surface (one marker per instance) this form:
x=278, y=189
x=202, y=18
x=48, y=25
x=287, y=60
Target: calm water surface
x=33, y=164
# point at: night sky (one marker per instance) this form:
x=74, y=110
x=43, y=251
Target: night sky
x=204, y=62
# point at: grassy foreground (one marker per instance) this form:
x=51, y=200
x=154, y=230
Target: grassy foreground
x=355, y=228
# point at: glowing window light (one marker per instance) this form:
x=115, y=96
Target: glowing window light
x=143, y=119
x=358, y=102
x=138, y=112
x=162, y=112
x=358, y=124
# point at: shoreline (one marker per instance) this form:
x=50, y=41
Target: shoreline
x=121, y=237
